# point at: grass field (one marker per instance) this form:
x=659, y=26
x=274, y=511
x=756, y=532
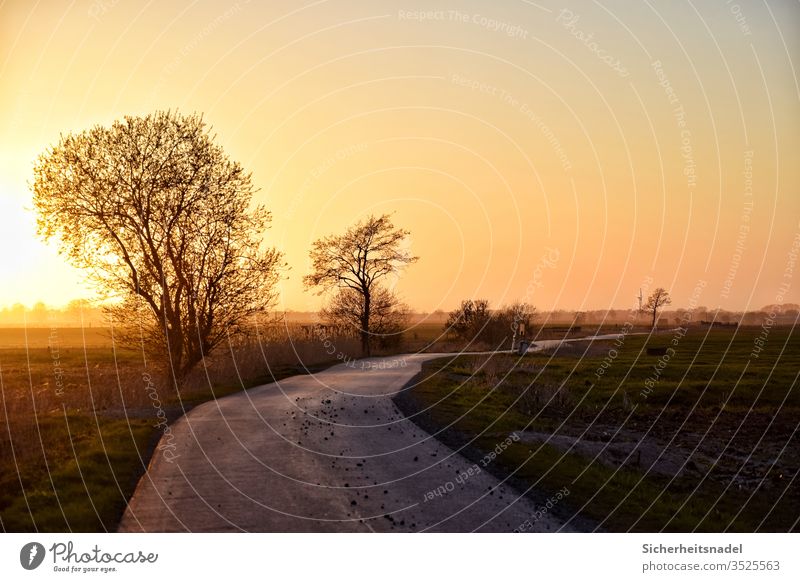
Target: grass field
x=704, y=438
x=80, y=418
x=710, y=445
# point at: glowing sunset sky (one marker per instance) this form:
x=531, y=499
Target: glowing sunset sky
x=619, y=140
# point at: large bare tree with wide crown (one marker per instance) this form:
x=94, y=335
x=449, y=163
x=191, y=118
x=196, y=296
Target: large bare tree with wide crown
x=162, y=220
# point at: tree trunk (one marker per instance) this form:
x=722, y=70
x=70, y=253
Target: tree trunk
x=365, y=343
x=175, y=353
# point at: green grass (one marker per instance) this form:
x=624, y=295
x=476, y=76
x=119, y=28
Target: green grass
x=83, y=481
x=711, y=387
x=94, y=456
x=70, y=459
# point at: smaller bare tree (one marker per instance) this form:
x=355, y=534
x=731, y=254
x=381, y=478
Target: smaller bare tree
x=519, y=317
x=388, y=318
x=353, y=265
x=469, y=319
x=658, y=299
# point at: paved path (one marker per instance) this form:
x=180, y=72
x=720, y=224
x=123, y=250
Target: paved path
x=322, y=453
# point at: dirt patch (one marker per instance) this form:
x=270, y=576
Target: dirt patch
x=625, y=448
x=746, y=453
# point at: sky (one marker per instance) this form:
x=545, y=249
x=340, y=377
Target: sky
x=564, y=154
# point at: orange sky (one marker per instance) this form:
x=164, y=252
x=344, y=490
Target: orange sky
x=556, y=155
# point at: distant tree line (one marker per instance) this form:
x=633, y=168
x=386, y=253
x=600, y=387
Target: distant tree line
x=78, y=312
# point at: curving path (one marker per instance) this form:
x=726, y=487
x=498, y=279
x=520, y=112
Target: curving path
x=321, y=453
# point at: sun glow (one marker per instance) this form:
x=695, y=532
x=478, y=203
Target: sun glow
x=489, y=147
x=30, y=269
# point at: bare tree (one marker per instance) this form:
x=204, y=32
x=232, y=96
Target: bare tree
x=469, y=319
x=388, y=318
x=161, y=218
x=519, y=317
x=357, y=261
x=658, y=299
x=474, y=321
